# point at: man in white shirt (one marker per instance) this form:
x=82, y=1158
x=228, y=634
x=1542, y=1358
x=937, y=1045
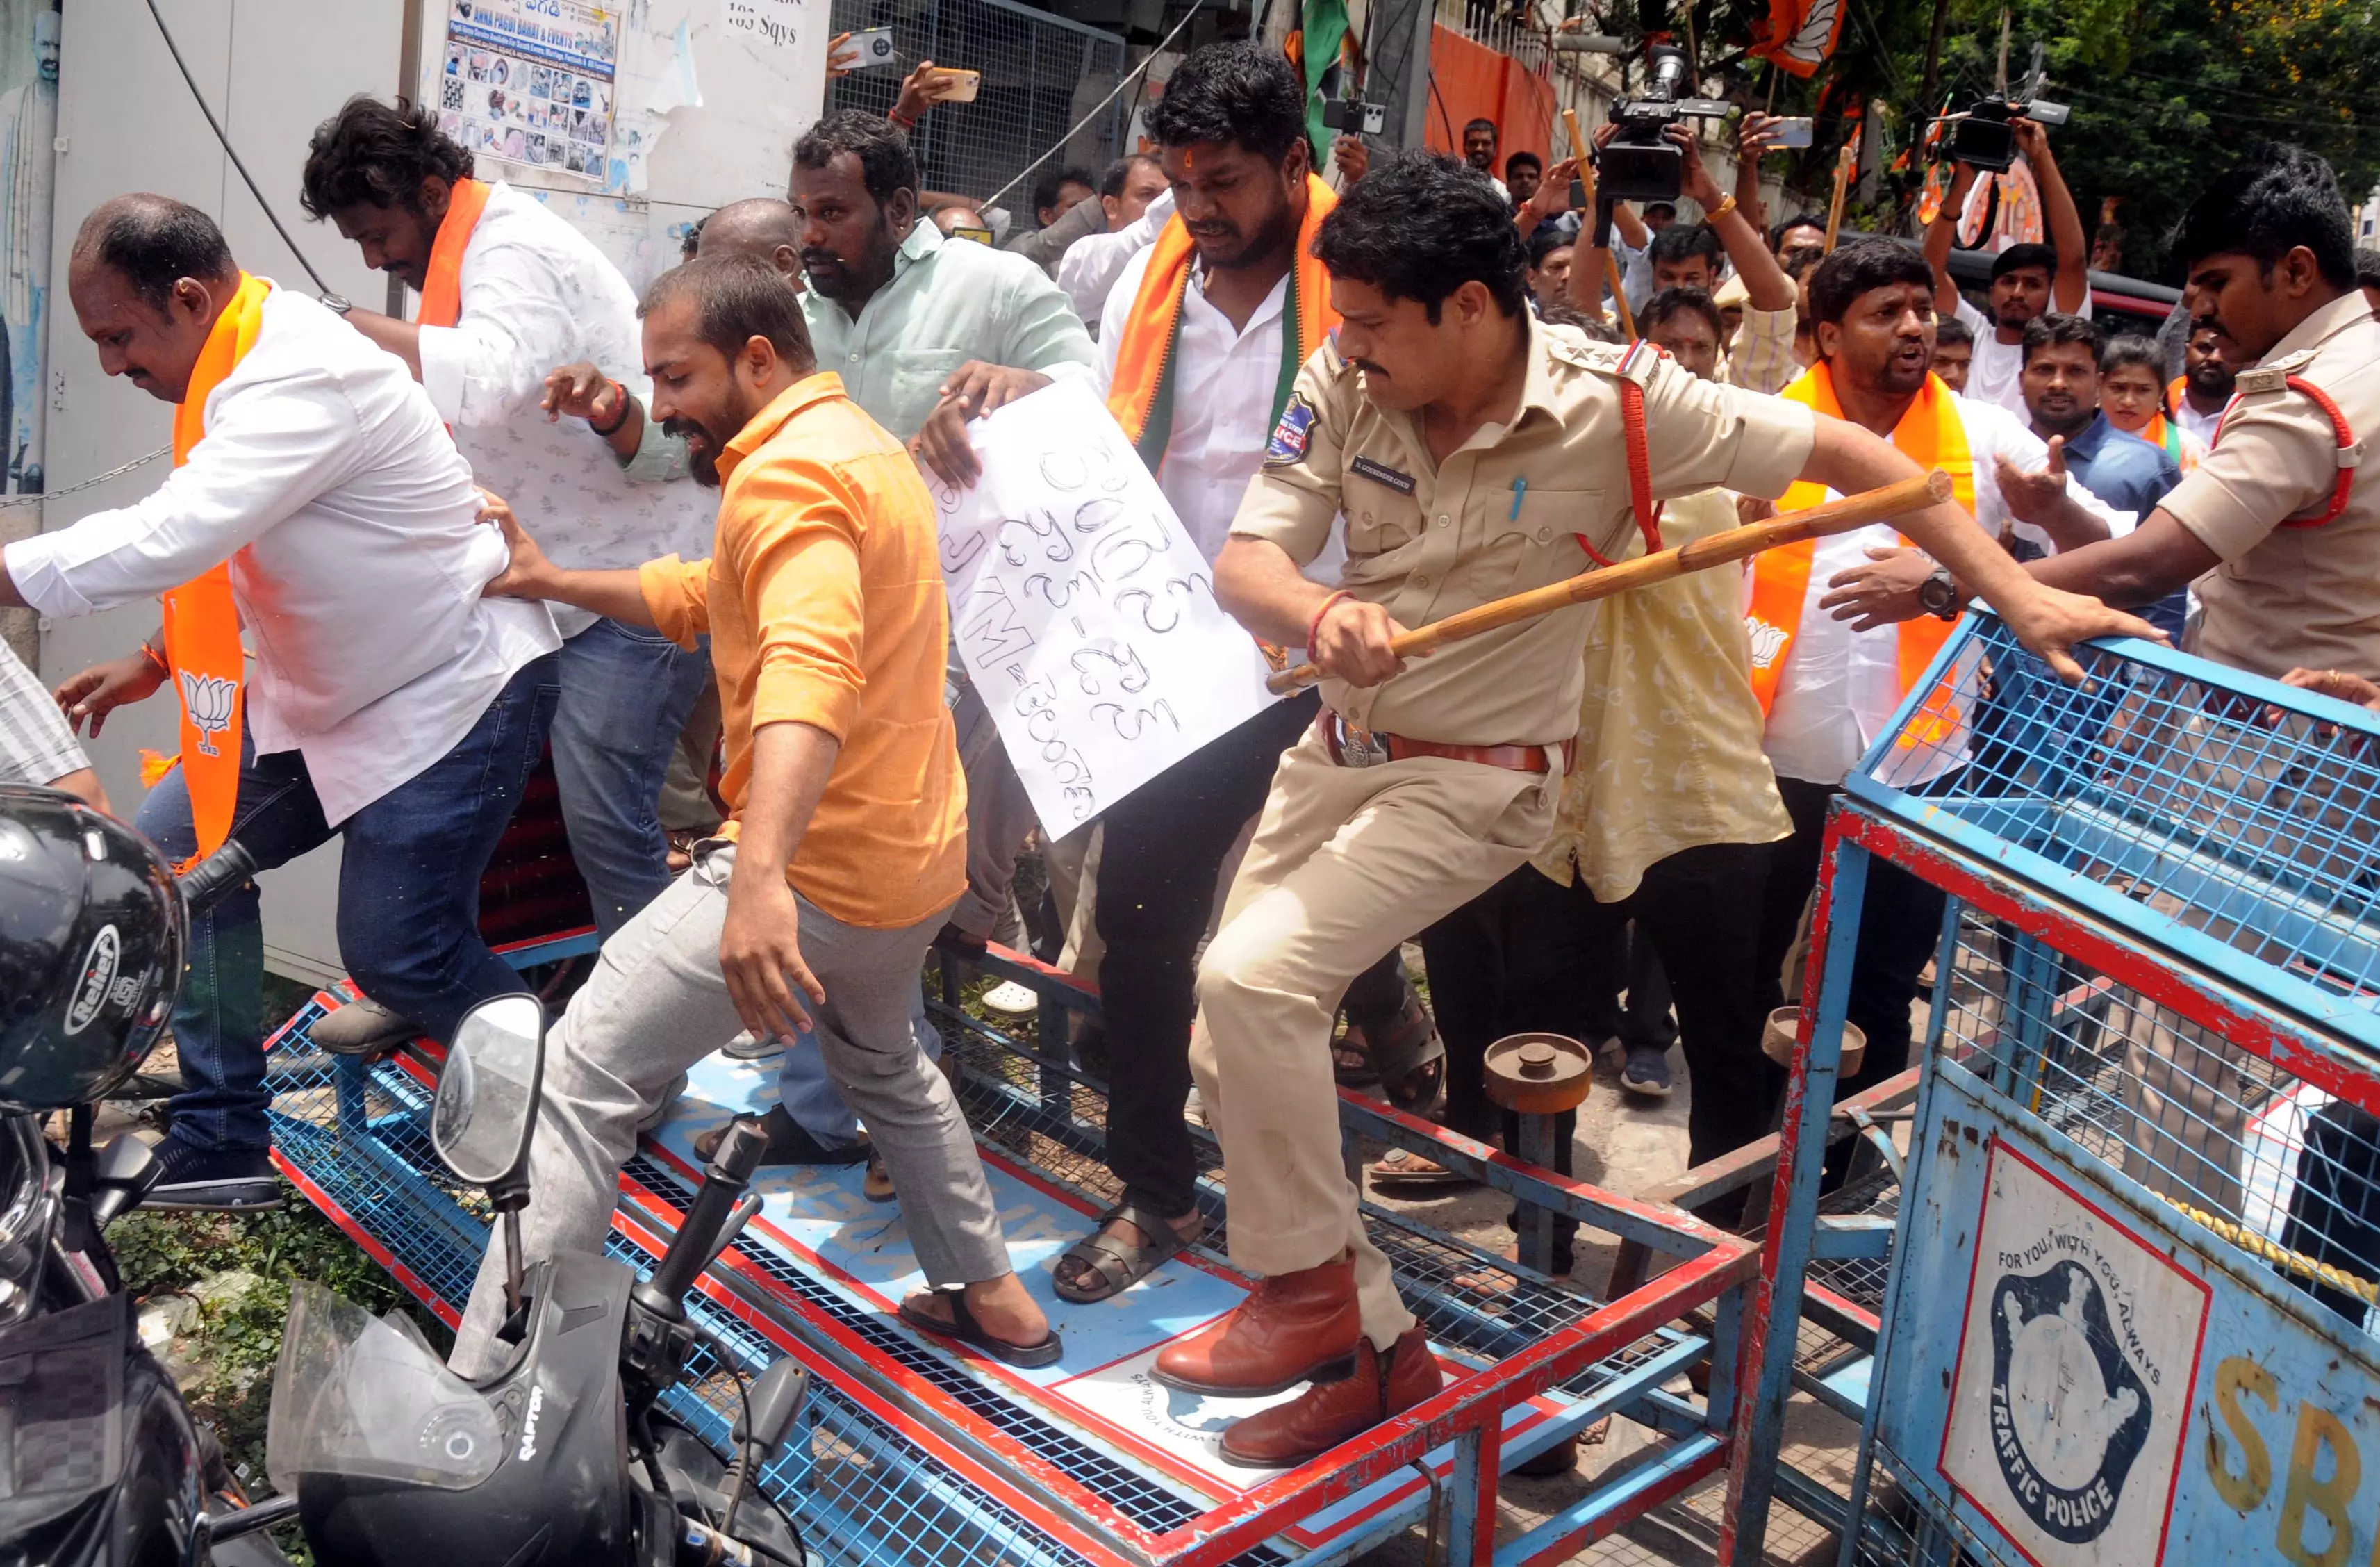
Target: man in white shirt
x=1201, y=337
x=387, y=703
x=1138, y=202
x=2027, y=280
x=529, y=292
x=1830, y=686
x=1479, y=137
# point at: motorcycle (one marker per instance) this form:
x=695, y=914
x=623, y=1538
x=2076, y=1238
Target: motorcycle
x=564, y=1455
x=103, y=1462
x=380, y=1453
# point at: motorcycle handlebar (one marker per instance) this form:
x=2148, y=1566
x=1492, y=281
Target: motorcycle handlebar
x=221, y=872
x=722, y=1186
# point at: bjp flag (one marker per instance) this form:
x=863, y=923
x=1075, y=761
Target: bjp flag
x=1799, y=35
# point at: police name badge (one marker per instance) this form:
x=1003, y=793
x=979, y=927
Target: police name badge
x=2072, y=1397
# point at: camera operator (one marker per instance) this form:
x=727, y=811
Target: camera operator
x=2027, y=280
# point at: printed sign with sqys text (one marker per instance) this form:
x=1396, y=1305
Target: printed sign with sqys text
x=1082, y=612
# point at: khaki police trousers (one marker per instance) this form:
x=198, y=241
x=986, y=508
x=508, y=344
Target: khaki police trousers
x=1346, y=863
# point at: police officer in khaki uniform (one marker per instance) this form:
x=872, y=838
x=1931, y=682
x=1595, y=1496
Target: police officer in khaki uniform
x=2279, y=529
x=1469, y=448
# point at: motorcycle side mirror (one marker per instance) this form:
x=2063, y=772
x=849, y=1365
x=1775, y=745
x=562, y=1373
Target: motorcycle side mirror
x=488, y=1092
x=777, y=1398
x=486, y=1111
x=761, y=1429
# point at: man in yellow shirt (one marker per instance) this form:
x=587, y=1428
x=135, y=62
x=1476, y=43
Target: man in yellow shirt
x=823, y=602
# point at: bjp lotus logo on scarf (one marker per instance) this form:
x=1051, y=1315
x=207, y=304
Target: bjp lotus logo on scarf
x=207, y=700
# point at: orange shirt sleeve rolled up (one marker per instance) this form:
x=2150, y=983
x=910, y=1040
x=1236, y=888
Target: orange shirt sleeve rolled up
x=677, y=594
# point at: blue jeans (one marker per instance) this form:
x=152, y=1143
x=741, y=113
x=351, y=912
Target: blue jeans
x=625, y=695
x=410, y=871
x=811, y=1100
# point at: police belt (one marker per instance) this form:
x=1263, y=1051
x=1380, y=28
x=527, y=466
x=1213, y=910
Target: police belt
x=1351, y=747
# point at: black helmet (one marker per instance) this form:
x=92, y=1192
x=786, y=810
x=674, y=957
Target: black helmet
x=92, y=934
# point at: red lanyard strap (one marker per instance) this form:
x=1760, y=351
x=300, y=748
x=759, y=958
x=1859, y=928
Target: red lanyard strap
x=1639, y=459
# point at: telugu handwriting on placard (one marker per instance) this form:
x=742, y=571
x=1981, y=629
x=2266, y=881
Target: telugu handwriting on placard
x=1083, y=614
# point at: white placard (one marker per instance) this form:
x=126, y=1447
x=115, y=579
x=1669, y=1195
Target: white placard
x=1084, y=613
x=2072, y=1395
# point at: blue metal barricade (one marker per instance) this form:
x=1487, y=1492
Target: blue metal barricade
x=917, y=1456
x=2131, y=1276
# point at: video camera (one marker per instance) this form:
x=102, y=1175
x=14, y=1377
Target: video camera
x=1638, y=164
x=1985, y=135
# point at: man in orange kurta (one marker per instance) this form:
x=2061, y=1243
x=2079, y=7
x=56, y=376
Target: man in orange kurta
x=845, y=840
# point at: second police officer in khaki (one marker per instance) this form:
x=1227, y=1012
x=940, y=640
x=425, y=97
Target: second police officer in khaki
x=1475, y=453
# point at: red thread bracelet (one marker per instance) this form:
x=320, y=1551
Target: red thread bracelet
x=152, y=654
x=1313, y=626
x=622, y=392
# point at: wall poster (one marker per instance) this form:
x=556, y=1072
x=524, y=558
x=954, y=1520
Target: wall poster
x=532, y=81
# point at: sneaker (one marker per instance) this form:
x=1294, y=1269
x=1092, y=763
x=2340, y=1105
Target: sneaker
x=217, y=1180
x=748, y=1046
x=1646, y=1072
x=363, y=1026
x=789, y=1143
x=1011, y=999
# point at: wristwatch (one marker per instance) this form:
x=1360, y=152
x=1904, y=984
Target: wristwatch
x=339, y=303
x=1938, y=595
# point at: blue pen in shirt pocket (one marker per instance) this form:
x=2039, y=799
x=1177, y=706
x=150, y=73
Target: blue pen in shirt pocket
x=1520, y=489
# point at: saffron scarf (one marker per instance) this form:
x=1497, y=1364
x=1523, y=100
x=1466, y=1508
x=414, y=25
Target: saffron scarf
x=1931, y=435
x=441, y=284
x=1141, y=397
x=2164, y=432
x=201, y=619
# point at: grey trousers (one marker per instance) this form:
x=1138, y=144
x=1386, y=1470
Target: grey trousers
x=656, y=1004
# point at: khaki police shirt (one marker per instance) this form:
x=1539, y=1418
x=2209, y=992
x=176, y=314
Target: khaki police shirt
x=2289, y=596
x=1500, y=515
x=1668, y=735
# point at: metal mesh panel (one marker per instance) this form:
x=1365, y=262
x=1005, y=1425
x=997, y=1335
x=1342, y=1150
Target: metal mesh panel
x=1466, y=1297
x=2276, y=1166
x=1041, y=75
x=2247, y=819
x=1898, y=1530
x=2233, y=826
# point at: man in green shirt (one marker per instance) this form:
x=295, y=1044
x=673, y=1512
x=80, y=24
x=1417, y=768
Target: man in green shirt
x=926, y=332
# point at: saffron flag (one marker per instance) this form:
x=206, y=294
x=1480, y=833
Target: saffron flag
x=1799, y=35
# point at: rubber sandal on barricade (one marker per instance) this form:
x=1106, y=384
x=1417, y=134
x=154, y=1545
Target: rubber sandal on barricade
x=1106, y=1265
x=1402, y=1172
x=963, y=1328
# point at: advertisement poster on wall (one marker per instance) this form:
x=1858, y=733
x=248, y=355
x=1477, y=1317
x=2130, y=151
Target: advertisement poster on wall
x=29, y=128
x=532, y=81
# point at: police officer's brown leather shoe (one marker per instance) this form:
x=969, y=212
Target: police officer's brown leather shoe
x=1330, y=1413
x=1295, y=1327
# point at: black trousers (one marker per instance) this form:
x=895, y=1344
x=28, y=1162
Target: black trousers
x=2335, y=1210
x=1164, y=846
x=1625, y=959
x=1900, y=924
x=1519, y=958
